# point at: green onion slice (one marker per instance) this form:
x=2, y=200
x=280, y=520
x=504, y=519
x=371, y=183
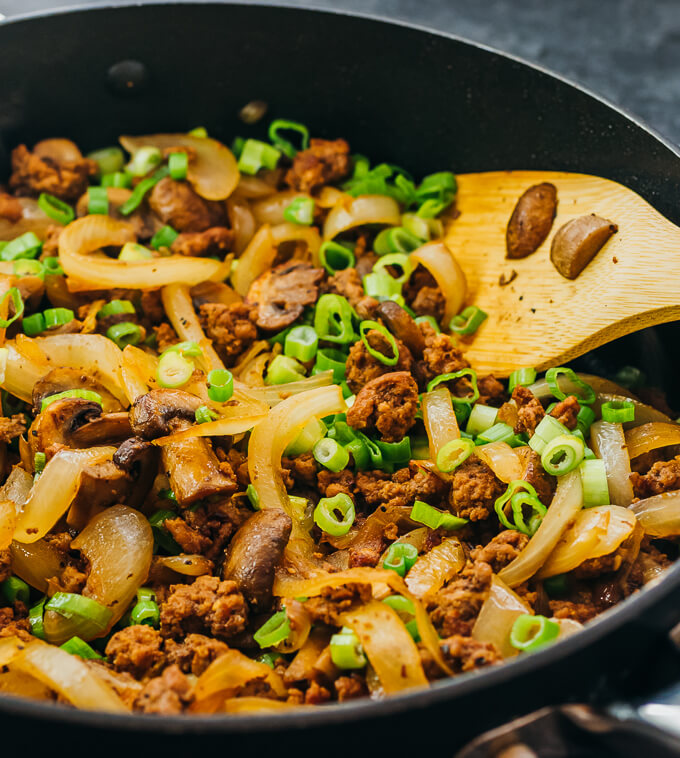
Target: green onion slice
x=400, y=557
x=335, y=257
x=220, y=385
x=331, y=454
x=618, y=411
x=326, y=514
x=522, y=377
x=387, y=360
x=274, y=631
x=93, y=397
x=125, y=333
x=283, y=125
x=434, y=518
x=453, y=453
x=588, y=395
x=468, y=320
x=562, y=454
x=594, y=481
x=98, y=201
x=300, y=211
x=346, y=651
x=520, y=494
x=56, y=209
x=333, y=319
x=301, y=343
x=530, y=633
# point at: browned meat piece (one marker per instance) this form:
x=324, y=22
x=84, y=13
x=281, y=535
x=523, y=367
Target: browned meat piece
x=529, y=410
x=388, y=403
x=207, y=604
x=663, y=476
x=429, y=301
x=316, y=694
x=33, y=174
x=566, y=411
x=302, y=469
x=491, y=391
x=535, y=475
x=194, y=653
x=190, y=540
x=333, y=601
x=50, y=248
x=239, y=464
x=152, y=306
x=474, y=490
x=361, y=366
x=5, y=564
x=11, y=626
x=467, y=654
x=137, y=650
x=71, y=579
x=502, y=550
x=166, y=695
x=330, y=483
x=10, y=208
x=350, y=687
x=454, y=609
x=418, y=280
x=348, y=284
x=281, y=293
x=440, y=356
x=214, y=241
x=402, y=325
x=324, y=162
x=230, y=327
x=165, y=336
x=604, y=564
x=255, y=552
x=176, y=204
x=567, y=609
x=401, y=488
x=13, y=427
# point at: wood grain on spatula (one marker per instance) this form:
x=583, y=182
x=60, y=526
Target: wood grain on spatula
x=540, y=318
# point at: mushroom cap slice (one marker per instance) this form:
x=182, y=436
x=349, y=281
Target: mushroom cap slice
x=577, y=242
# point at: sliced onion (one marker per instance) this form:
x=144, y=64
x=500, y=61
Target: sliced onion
x=439, y=419
x=568, y=627
x=388, y=646
x=330, y=196
x=69, y=676
x=659, y=515
x=221, y=428
x=36, y=563
x=303, y=665
x=55, y=490
x=212, y=171
x=365, y=209
x=288, y=232
x=651, y=436
x=502, y=460
x=242, y=223
x=188, y=565
x=34, y=219
x=442, y=264
x=436, y=567
x=15, y=682
x=565, y=506
x=300, y=627
x=137, y=371
x=499, y=612
x=252, y=187
x=370, y=533
x=595, y=532
x=17, y=488
x=609, y=443
x=255, y=260
x=277, y=393
x=118, y=545
x=8, y=523
x=232, y=671
x=180, y=310
x=251, y=704
x=268, y=441
x=87, y=234
x=269, y=209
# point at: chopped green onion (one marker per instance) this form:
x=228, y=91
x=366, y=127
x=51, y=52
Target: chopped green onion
x=108, y=159
x=396, y=240
x=520, y=494
x=268, y=659
x=98, y=201
x=162, y=537
x=256, y=155
x=237, y=146
x=374, y=452
x=381, y=285
x=178, y=163
x=401, y=260
x=56, y=209
x=117, y=179
x=115, y=308
x=125, y=333
x=27, y=267
x=465, y=372
x=556, y=586
x=274, y=631
x=132, y=251
x=497, y=433
x=203, y=415
x=547, y=429
x=144, y=160
x=186, y=348
x=79, y=647
x=330, y=454
x=52, y=266
x=311, y=433
x=482, y=417
x=284, y=145
x=618, y=411
x=220, y=385
x=254, y=498
x=440, y=187
x=146, y=611
x=14, y=296
x=139, y=192
x=300, y=211
x=431, y=320
x=594, y=483
x=93, y=617
x=327, y=358
x=198, y=131
x=416, y=226
x=25, y=246
x=35, y=619
x=174, y=370
x=387, y=360
x=562, y=454
x=301, y=342
x=434, y=518
x=34, y=324
x=164, y=237
x=522, y=377
x=585, y=418
x=333, y=319
x=93, y=397
x=13, y=589
x=468, y=320
x=397, y=453
x=326, y=518
x=400, y=557
x=359, y=452
x=530, y=633
x=55, y=317
x=453, y=453
x=335, y=257
x=346, y=651
x=406, y=612
x=39, y=461
x=283, y=370
x=551, y=375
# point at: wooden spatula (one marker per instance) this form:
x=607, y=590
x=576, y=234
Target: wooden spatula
x=540, y=318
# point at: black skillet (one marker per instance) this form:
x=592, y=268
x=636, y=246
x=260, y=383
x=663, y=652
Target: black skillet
x=400, y=94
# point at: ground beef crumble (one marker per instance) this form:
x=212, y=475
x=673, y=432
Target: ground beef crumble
x=388, y=403
x=136, y=650
x=474, y=490
x=230, y=327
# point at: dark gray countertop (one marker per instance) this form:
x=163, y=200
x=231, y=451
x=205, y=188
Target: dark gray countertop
x=627, y=50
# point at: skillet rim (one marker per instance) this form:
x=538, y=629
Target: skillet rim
x=628, y=611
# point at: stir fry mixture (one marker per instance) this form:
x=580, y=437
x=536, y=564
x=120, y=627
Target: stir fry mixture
x=246, y=464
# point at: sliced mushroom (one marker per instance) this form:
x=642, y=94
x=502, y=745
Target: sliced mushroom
x=61, y=379
x=139, y=459
x=101, y=485
x=402, y=326
x=281, y=293
x=109, y=428
x=53, y=428
x=255, y=552
x=531, y=220
x=58, y=149
x=156, y=414
x=577, y=242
